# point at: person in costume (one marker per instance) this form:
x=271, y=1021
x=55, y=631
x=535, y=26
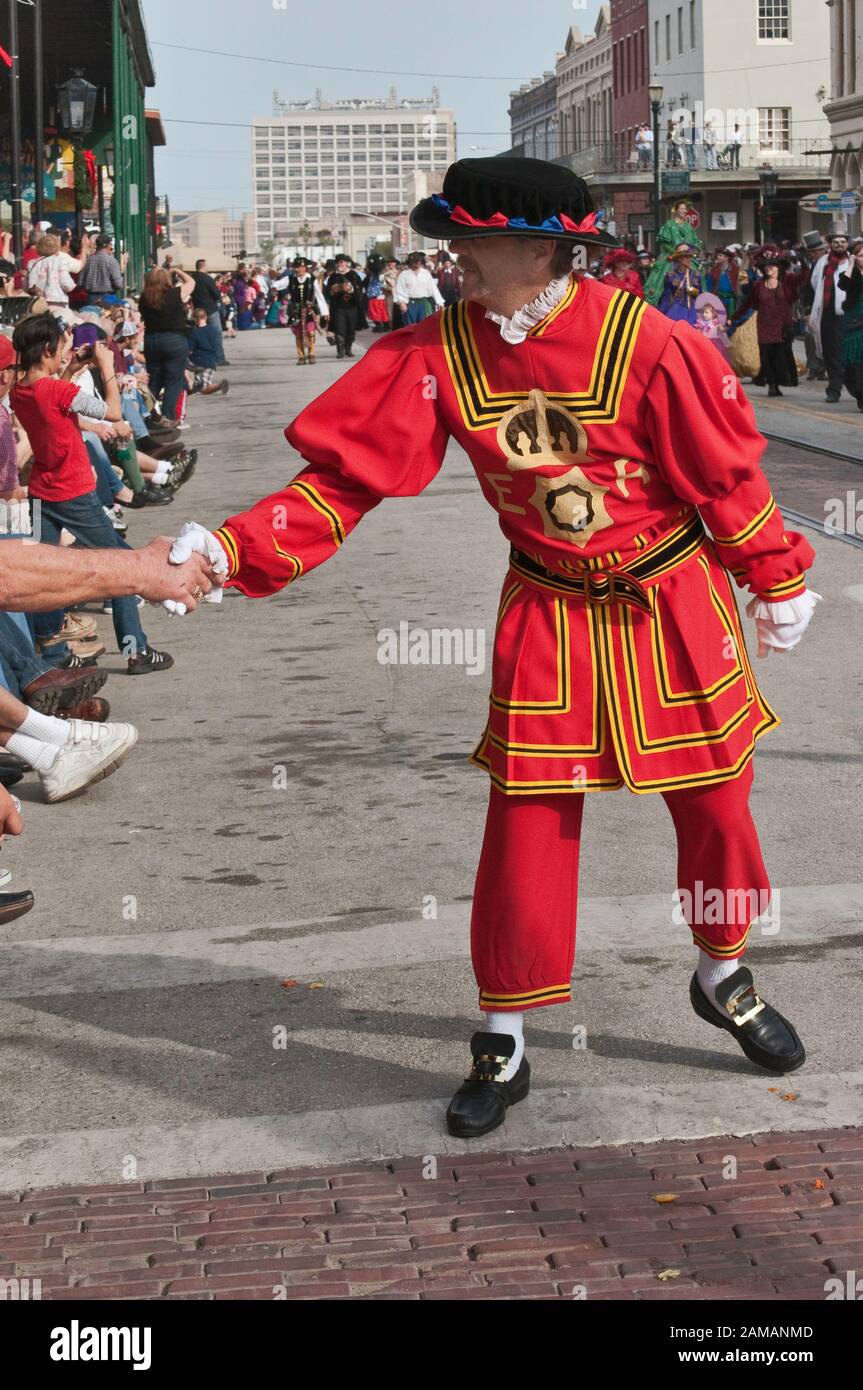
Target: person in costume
x=722, y=280
x=343, y=291
x=628, y=487
x=619, y=268
x=711, y=318
x=306, y=304
x=773, y=297
x=826, y=318
x=416, y=292
x=682, y=286
x=852, y=342
x=670, y=235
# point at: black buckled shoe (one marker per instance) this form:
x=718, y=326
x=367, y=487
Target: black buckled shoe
x=480, y=1103
x=765, y=1036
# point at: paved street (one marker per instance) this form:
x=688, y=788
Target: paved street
x=229, y=969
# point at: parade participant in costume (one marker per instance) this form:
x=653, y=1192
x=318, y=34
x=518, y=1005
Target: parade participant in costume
x=682, y=286
x=343, y=291
x=390, y=279
x=722, y=280
x=826, y=319
x=377, y=309
x=417, y=294
x=670, y=235
x=773, y=297
x=448, y=278
x=852, y=341
x=710, y=319
x=604, y=436
x=620, y=272
x=302, y=296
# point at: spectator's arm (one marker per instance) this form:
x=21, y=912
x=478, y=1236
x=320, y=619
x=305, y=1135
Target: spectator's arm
x=41, y=578
x=186, y=287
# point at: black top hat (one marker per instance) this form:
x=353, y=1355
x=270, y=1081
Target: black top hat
x=510, y=196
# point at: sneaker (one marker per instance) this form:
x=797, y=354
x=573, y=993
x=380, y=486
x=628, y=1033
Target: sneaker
x=92, y=752
x=151, y=496
x=148, y=661
x=72, y=662
x=182, y=470
x=5, y=877
x=116, y=521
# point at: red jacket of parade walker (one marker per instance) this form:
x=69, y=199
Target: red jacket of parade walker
x=607, y=442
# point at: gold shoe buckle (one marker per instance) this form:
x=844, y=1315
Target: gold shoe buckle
x=501, y=1062
x=734, y=1003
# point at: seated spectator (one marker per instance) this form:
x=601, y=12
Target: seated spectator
x=62, y=481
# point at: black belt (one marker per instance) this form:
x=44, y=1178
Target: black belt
x=625, y=584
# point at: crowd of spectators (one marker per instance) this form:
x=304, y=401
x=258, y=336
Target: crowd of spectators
x=93, y=394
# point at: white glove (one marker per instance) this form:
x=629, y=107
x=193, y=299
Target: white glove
x=194, y=539
x=781, y=625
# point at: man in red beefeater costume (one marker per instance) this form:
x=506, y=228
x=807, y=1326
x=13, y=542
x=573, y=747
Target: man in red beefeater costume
x=607, y=438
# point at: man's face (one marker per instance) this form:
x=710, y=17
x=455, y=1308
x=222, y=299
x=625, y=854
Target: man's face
x=492, y=265
x=342, y=266
x=203, y=268
x=839, y=245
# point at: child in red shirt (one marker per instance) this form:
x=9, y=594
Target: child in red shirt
x=62, y=482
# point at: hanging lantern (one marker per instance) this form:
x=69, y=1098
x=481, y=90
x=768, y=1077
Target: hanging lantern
x=77, y=100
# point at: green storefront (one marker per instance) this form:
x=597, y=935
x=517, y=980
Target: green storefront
x=105, y=42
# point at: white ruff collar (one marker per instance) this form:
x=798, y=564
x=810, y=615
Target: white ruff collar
x=516, y=329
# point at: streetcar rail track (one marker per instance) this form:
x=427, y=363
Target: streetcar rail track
x=812, y=448
x=801, y=518
x=834, y=535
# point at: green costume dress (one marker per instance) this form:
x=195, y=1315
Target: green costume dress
x=671, y=234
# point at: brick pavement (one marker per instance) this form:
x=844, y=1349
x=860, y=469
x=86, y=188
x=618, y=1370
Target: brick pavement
x=663, y=1221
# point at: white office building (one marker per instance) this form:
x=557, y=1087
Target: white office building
x=761, y=64
x=318, y=162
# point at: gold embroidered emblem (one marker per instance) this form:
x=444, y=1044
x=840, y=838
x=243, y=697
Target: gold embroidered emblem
x=538, y=435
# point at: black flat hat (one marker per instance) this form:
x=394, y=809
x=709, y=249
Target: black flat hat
x=510, y=196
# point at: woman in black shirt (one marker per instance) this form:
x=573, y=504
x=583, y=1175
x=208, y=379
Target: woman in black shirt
x=166, y=344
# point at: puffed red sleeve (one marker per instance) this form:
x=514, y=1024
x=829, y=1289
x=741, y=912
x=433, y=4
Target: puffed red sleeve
x=707, y=446
x=375, y=433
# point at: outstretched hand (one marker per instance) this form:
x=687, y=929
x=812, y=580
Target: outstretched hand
x=165, y=581
x=195, y=542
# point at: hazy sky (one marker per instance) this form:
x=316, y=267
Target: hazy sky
x=206, y=166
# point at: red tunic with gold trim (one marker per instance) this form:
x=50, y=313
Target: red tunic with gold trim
x=607, y=442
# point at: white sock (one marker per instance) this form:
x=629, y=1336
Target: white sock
x=513, y=1024
x=45, y=728
x=712, y=972
x=162, y=474
x=36, y=754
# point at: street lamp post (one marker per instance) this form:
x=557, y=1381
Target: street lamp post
x=77, y=101
x=15, y=133
x=655, y=94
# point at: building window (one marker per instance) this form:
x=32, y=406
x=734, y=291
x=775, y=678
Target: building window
x=680, y=28
x=691, y=23
x=774, y=20
x=774, y=127
x=656, y=41
x=668, y=38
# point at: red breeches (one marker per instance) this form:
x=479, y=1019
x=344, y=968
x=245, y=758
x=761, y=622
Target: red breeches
x=524, y=909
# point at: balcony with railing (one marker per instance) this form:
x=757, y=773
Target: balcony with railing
x=722, y=163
